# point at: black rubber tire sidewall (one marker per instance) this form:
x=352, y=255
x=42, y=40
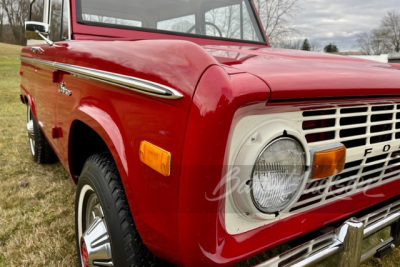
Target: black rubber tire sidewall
x=101, y=174
x=94, y=177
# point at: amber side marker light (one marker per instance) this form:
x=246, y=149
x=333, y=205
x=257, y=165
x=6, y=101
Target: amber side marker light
x=156, y=158
x=328, y=162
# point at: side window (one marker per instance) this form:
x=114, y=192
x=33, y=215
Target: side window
x=59, y=20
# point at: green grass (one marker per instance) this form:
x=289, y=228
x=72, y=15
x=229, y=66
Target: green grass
x=37, y=220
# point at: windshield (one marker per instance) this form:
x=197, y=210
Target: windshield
x=226, y=19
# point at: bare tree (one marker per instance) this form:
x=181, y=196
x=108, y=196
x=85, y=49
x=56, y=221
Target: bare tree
x=276, y=16
x=13, y=15
x=384, y=39
x=374, y=43
x=390, y=29
x=364, y=43
x=1, y=23
x=37, y=10
x=291, y=44
x=315, y=46
x=16, y=12
x=379, y=42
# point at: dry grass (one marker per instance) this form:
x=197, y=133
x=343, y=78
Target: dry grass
x=37, y=201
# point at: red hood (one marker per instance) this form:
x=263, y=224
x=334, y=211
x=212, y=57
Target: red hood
x=293, y=74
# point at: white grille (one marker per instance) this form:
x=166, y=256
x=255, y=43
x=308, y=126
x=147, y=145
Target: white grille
x=371, y=134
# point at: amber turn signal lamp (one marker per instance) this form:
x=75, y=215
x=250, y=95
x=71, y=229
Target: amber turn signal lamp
x=328, y=162
x=156, y=158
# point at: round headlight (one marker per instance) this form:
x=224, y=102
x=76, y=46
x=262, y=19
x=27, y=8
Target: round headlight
x=278, y=175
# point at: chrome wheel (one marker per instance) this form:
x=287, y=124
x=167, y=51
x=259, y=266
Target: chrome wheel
x=30, y=131
x=95, y=246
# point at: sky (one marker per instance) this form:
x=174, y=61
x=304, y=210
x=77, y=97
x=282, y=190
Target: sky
x=338, y=22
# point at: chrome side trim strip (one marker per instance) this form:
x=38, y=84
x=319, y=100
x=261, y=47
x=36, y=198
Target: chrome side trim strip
x=129, y=82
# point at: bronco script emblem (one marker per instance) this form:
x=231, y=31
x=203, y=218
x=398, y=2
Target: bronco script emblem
x=64, y=90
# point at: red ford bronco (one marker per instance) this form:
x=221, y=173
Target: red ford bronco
x=193, y=141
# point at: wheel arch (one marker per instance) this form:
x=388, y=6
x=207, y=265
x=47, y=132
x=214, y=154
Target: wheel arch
x=92, y=131
x=29, y=101
x=96, y=128
x=83, y=143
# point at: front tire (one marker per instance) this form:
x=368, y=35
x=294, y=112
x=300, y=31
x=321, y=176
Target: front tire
x=105, y=232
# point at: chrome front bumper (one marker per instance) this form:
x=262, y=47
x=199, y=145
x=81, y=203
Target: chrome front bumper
x=355, y=241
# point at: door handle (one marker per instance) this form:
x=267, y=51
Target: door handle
x=35, y=49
